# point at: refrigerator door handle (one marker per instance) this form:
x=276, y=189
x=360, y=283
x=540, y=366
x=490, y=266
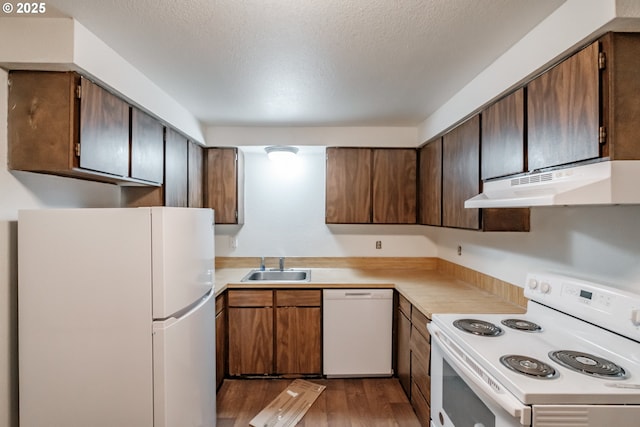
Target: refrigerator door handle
x=175, y=317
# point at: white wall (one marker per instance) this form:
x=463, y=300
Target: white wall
x=346, y=136
x=596, y=243
x=284, y=216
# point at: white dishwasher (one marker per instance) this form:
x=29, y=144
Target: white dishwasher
x=357, y=338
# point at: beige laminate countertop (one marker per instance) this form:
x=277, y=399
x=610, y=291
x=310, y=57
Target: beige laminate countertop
x=428, y=290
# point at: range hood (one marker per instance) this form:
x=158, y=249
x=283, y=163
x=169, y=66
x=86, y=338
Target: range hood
x=602, y=183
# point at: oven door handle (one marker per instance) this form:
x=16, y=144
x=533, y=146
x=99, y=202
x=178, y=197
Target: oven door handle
x=482, y=380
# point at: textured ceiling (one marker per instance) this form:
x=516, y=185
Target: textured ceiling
x=310, y=62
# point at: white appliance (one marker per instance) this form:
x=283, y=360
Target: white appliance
x=601, y=183
x=116, y=317
x=357, y=327
x=572, y=360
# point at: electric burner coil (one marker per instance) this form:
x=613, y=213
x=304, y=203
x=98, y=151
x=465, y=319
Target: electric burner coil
x=522, y=325
x=529, y=366
x=478, y=327
x=588, y=364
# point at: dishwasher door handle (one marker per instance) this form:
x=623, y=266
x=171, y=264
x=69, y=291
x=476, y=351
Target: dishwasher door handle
x=357, y=294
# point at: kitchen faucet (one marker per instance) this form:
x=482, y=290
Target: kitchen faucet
x=262, y=264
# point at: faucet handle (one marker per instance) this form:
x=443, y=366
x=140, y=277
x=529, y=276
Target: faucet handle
x=281, y=263
x=262, y=264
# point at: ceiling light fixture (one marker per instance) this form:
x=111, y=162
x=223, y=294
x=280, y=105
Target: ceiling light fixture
x=281, y=152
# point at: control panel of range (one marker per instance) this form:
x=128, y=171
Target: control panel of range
x=612, y=308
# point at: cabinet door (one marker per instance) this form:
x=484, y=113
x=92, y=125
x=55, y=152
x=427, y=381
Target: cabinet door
x=222, y=184
x=461, y=174
x=147, y=147
x=104, y=131
x=394, y=186
x=348, y=186
x=430, y=184
x=176, y=175
x=250, y=340
x=563, y=112
x=42, y=121
x=503, y=137
x=195, y=176
x=298, y=338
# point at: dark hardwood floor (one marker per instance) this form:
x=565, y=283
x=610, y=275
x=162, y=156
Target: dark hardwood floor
x=344, y=403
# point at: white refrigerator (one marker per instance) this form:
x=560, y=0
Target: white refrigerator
x=116, y=317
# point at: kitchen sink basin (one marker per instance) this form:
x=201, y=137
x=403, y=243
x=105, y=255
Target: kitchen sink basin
x=289, y=275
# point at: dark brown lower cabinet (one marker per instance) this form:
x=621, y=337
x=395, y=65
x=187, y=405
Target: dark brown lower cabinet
x=420, y=373
x=403, y=354
x=298, y=332
x=275, y=332
x=250, y=332
x=221, y=339
x=413, y=355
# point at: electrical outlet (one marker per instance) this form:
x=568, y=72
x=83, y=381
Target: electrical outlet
x=233, y=242
x=378, y=244
x=459, y=250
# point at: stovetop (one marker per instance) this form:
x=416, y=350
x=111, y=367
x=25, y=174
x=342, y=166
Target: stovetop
x=600, y=350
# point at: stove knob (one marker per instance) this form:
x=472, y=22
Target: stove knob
x=545, y=288
x=533, y=283
x=635, y=317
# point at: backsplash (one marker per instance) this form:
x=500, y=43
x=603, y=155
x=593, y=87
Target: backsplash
x=511, y=293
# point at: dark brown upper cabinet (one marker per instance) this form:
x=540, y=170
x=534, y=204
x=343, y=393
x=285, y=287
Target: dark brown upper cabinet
x=503, y=133
x=60, y=123
x=461, y=174
x=180, y=187
x=564, y=112
x=348, y=186
x=176, y=178
x=394, y=185
x=147, y=147
x=461, y=181
x=224, y=184
x=371, y=185
x=195, y=179
x=104, y=131
x=430, y=183
x=584, y=108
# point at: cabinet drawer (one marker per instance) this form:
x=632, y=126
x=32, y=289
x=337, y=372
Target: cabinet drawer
x=404, y=305
x=298, y=298
x=220, y=303
x=420, y=345
x=419, y=322
x=420, y=405
x=250, y=298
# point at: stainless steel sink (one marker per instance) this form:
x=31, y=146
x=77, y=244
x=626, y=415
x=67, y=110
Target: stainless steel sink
x=289, y=275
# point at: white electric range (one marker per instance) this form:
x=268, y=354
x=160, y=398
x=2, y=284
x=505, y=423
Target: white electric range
x=573, y=359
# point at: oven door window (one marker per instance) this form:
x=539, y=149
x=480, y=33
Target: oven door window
x=461, y=404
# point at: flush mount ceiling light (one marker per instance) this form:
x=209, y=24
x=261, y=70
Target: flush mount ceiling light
x=281, y=152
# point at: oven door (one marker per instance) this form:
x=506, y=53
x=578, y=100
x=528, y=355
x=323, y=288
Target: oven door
x=462, y=394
